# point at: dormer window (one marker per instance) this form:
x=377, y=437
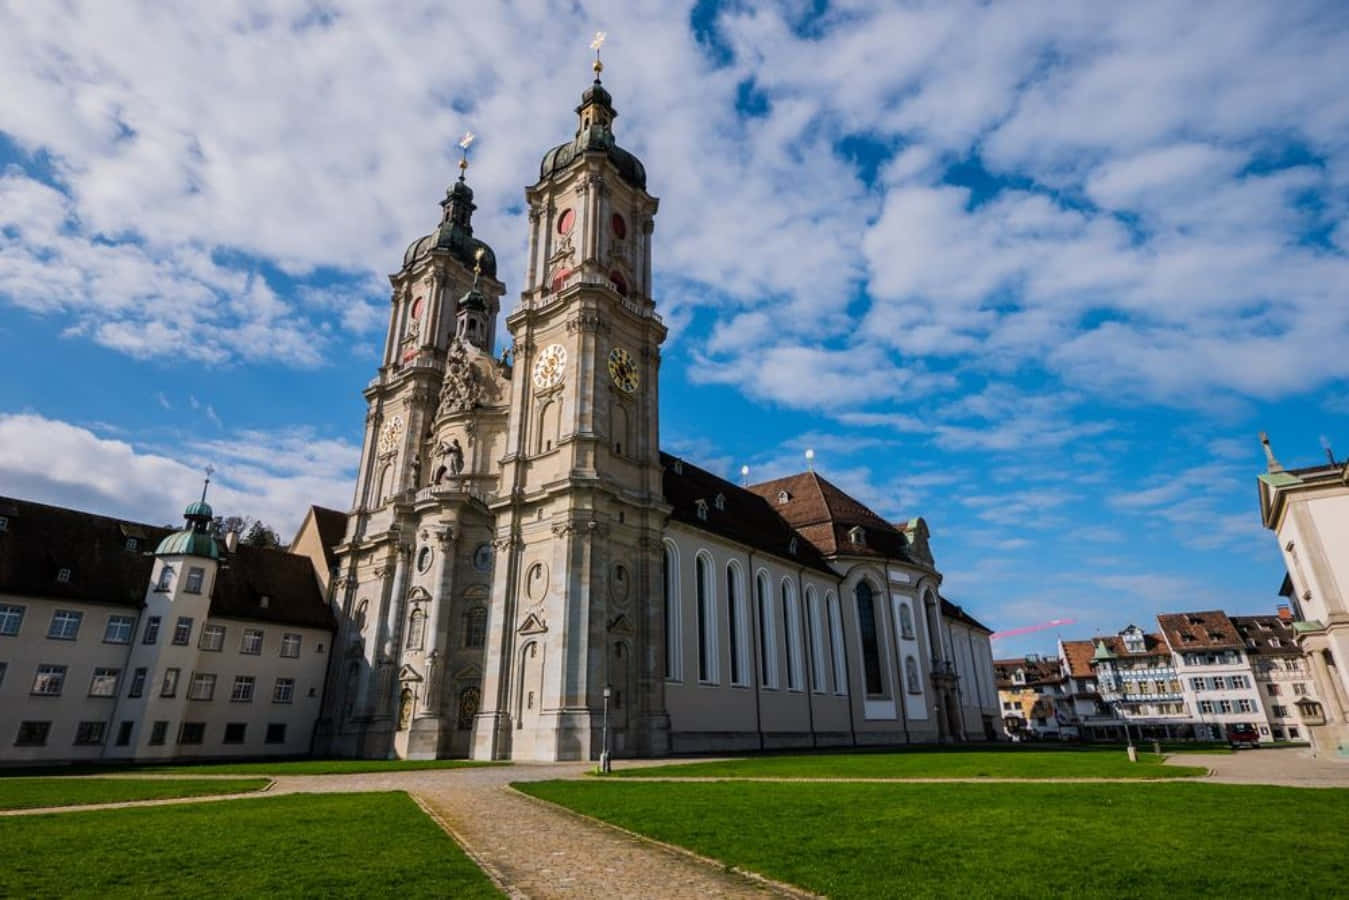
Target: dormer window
x=791, y=546
x=678, y=467
x=701, y=506
x=4, y=524
x=1019, y=676
x=1194, y=620
x=858, y=536
x=63, y=576
x=264, y=601
x=1215, y=636
x=1275, y=642
x=1186, y=637
x=132, y=544
x=720, y=501
x=783, y=497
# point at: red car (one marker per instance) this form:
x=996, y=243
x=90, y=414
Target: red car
x=1242, y=734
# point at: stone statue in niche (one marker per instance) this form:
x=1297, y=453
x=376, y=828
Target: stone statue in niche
x=451, y=456
x=404, y=708
x=463, y=386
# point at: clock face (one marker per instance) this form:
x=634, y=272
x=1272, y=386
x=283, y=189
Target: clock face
x=623, y=369
x=389, y=434
x=550, y=366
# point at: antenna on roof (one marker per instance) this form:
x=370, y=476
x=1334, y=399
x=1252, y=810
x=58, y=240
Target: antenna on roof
x=1271, y=464
x=744, y=476
x=810, y=460
x=1330, y=452
x=210, y=470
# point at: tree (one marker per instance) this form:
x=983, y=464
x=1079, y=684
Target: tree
x=260, y=535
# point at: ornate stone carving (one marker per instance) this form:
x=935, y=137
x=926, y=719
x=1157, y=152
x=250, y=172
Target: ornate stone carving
x=533, y=624
x=463, y=386
x=586, y=321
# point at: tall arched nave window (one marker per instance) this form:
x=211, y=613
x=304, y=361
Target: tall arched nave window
x=707, y=631
x=871, y=649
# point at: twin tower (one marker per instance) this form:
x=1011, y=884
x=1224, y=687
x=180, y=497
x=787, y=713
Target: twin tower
x=505, y=534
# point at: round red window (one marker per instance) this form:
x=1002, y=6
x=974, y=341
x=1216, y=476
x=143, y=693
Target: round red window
x=560, y=278
x=566, y=221
x=620, y=284
x=620, y=227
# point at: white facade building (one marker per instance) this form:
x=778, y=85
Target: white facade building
x=1308, y=511
x=121, y=641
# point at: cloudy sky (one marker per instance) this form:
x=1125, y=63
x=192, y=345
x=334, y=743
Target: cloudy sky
x=1039, y=275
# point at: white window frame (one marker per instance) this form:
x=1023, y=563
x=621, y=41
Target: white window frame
x=11, y=619
x=168, y=685
x=242, y=689
x=119, y=629
x=212, y=638
x=103, y=683
x=792, y=608
x=202, y=686
x=818, y=681
x=247, y=641
x=283, y=691
x=292, y=639
x=181, y=639
x=66, y=632
x=49, y=680
x=196, y=578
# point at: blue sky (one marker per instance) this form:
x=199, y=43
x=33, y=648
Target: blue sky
x=1039, y=275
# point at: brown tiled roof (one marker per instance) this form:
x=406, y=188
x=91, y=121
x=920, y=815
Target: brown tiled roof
x=825, y=515
x=746, y=517
x=1038, y=671
x=1153, y=645
x=286, y=579
x=1260, y=629
x=1078, y=654
x=332, y=527
x=40, y=540
x=1207, y=630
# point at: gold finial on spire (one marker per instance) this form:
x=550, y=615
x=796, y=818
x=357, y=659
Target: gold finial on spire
x=464, y=143
x=595, y=45
x=477, y=264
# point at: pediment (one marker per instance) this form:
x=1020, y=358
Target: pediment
x=532, y=625
x=472, y=672
x=407, y=673
x=619, y=624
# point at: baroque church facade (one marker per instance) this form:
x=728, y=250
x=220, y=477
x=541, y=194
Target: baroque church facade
x=522, y=563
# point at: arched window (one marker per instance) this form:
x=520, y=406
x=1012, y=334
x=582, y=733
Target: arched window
x=915, y=682
x=385, y=483
x=791, y=619
x=735, y=618
x=707, y=634
x=871, y=649
x=416, y=629
x=549, y=417
x=836, y=643
x=619, y=419
x=768, y=653
x=816, y=638
x=905, y=621
x=674, y=621
x=475, y=627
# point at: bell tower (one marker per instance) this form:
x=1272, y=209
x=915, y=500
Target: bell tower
x=580, y=510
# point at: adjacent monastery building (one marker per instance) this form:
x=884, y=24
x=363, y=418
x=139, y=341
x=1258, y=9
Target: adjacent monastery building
x=520, y=555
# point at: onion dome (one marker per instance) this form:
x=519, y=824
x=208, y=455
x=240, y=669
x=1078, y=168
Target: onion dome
x=594, y=134
x=455, y=233
x=196, y=539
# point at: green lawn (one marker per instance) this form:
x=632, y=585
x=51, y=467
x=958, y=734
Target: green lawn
x=1112, y=763
x=310, y=845
x=30, y=793
x=275, y=767
x=980, y=840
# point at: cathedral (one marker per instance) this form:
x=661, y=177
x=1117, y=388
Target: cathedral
x=525, y=575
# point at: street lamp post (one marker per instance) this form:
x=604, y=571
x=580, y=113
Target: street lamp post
x=604, y=751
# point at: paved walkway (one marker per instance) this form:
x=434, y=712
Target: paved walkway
x=1288, y=767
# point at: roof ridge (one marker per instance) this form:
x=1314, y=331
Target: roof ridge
x=84, y=512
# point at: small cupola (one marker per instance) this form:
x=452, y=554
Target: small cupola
x=473, y=318
x=196, y=539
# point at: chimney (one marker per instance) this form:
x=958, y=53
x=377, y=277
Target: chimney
x=1285, y=613
x=231, y=541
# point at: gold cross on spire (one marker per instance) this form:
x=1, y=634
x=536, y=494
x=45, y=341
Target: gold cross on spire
x=464, y=143
x=595, y=45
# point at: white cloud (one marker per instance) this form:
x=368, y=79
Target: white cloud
x=273, y=476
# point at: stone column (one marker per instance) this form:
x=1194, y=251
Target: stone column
x=393, y=614
x=446, y=541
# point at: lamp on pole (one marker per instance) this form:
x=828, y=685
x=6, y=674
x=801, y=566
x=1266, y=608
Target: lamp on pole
x=604, y=741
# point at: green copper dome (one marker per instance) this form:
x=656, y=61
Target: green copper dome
x=595, y=135
x=199, y=509
x=189, y=542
